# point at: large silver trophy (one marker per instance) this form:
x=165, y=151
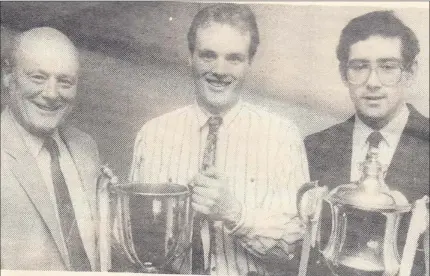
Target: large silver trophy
x=365, y=218
x=150, y=223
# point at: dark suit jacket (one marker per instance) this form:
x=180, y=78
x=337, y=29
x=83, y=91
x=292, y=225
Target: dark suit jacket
x=329, y=155
x=30, y=233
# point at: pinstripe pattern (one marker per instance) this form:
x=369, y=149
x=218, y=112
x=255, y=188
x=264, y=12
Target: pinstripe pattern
x=262, y=155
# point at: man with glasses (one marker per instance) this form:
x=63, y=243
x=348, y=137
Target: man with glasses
x=377, y=54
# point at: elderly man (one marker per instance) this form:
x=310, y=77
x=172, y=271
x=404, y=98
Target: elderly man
x=48, y=169
x=377, y=55
x=245, y=164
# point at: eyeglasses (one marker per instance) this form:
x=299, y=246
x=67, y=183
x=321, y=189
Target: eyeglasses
x=389, y=72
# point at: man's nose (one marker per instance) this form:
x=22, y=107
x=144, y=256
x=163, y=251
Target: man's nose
x=220, y=67
x=373, y=82
x=50, y=89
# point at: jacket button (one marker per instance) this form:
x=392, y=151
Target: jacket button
x=214, y=268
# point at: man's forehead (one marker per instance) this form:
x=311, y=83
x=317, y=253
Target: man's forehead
x=377, y=48
x=240, y=27
x=223, y=35
x=46, y=51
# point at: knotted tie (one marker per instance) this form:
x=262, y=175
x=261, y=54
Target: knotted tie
x=78, y=258
x=209, y=157
x=374, y=140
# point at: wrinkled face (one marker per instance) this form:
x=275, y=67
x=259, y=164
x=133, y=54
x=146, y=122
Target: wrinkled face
x=381, y=95
x=220, y=62
x=42, y=86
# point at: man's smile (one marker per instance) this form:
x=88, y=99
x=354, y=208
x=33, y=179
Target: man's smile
x=48, y=107
x=218, y=84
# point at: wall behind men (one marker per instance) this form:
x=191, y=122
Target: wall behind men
x=134, y=60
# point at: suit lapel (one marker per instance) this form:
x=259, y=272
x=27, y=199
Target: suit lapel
x=339, y=154
x=345, y=150
x=401, y=173
x=25, y=169
x=83, y=163
x=402, y=153
x=81, y=158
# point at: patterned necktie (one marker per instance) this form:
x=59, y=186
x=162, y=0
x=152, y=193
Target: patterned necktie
x=78, y=258
x=209, y=157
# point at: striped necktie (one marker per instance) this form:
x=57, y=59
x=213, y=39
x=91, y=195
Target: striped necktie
x=209, y=158
x=77, y=256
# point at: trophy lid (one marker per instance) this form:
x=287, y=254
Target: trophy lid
x=352, y=194
x=370, y=192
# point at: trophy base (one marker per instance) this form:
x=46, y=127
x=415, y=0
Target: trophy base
x=154, y=270
x=151, y=269
x=341, y=270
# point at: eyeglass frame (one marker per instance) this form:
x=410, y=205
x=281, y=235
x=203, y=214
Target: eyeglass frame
x=376, y=69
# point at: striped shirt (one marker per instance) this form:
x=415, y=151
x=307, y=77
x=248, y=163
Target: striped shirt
x=264, y=159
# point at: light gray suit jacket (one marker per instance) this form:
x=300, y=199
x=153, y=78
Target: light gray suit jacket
x=30, y=233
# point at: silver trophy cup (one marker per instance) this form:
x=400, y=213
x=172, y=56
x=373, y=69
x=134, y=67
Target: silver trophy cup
x=365, y=218
x=149, y=223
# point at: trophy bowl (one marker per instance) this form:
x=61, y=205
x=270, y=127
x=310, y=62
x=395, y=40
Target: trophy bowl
x=357, y=225
x=149, y=222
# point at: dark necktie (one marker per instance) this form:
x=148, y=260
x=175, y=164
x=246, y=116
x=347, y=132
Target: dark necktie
x=209, y=157
x=78, y=258
x=374, y=140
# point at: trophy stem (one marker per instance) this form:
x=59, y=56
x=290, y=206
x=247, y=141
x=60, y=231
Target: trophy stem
x=169, y=224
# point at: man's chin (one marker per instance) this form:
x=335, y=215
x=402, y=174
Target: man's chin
x=375, y=120
x=43, y=131
x=216, y=107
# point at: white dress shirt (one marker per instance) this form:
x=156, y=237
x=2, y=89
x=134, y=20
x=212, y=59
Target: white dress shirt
x=262, y=155
x=78, y=197
x=391, y=133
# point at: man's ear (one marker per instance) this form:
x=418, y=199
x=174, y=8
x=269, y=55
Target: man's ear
x=6, y=73
x=342, y=72
x=411, y=73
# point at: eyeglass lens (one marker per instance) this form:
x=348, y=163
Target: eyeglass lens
x=388, y=72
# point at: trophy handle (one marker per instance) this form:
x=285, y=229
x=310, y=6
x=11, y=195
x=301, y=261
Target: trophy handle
x=426, y=244
x=417, y=226
x=301, y=192
x=310, y=236
x=104, y=181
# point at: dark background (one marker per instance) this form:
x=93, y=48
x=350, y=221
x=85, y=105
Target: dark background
x=134, y=61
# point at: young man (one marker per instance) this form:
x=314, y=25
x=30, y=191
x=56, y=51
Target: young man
x=48, y=169
x=377, y=54
x=245, y=165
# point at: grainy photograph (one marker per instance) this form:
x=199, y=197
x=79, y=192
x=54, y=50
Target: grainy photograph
x=215, y=138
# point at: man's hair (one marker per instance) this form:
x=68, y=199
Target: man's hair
x=235, y=15
x=382, y=23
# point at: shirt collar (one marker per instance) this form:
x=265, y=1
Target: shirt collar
x=227, y=118
x=34, y=143
x=391, y=132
